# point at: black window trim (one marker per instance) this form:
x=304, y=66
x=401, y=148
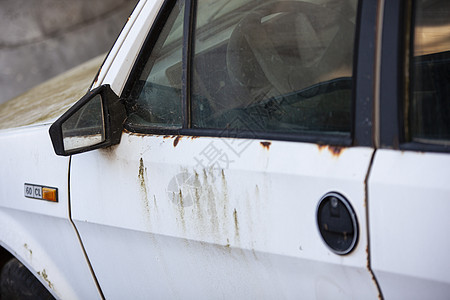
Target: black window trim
x=187, y=52
x=365, y=74
x=391, y=74
x=362, y=94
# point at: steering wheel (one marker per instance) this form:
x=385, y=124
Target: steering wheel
x=279, y=48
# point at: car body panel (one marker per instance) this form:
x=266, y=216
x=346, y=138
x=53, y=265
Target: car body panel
x=228, y=227
x=177, y=216
x=37, y=232
x=408, y=213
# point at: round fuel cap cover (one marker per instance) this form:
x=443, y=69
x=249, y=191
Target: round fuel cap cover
x=337, y=223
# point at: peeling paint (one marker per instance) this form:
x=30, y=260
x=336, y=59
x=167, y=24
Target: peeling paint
x=265, y=145
x=49, y=99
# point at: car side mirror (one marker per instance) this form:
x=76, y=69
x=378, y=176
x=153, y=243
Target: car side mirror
x=95, y=121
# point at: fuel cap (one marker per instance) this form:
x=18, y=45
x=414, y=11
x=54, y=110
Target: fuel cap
x=337, y=223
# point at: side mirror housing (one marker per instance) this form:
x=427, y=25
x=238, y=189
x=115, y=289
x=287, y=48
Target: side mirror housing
x=95, y=121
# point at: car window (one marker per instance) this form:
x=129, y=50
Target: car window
x=429, y=109
x=267, y=66
x=156, y=94
x=281, y=66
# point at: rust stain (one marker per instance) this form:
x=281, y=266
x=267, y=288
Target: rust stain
x=166, y=136
x=28, y=249
x=209, y=179
x=176, y=140
x=141, y=176
x=266, y=145
x=335, y=151
x=181, y=210
x=141, y=172
x=109, y=152
x=44, y=276
x=236, y=223
x=194, y=137
x=367, y=256
x=225, y=195
x=369, y=268
x=198, y=193
x=136, y=133
x=181, y=203
x=321, y=147
x=96, y=77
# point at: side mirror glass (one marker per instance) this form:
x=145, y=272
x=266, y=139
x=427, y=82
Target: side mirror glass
x=86, y=127
x=95, y=121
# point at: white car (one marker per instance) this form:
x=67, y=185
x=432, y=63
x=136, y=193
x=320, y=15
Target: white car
x=241, y=150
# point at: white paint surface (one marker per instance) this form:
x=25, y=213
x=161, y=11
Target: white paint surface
x=245, y=229
x=39, y=233
x=409, y=204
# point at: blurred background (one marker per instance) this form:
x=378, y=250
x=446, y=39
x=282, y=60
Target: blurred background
x=43, y=38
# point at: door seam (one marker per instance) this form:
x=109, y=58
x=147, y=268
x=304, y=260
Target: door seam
x=78, y=234
x=366, y=202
